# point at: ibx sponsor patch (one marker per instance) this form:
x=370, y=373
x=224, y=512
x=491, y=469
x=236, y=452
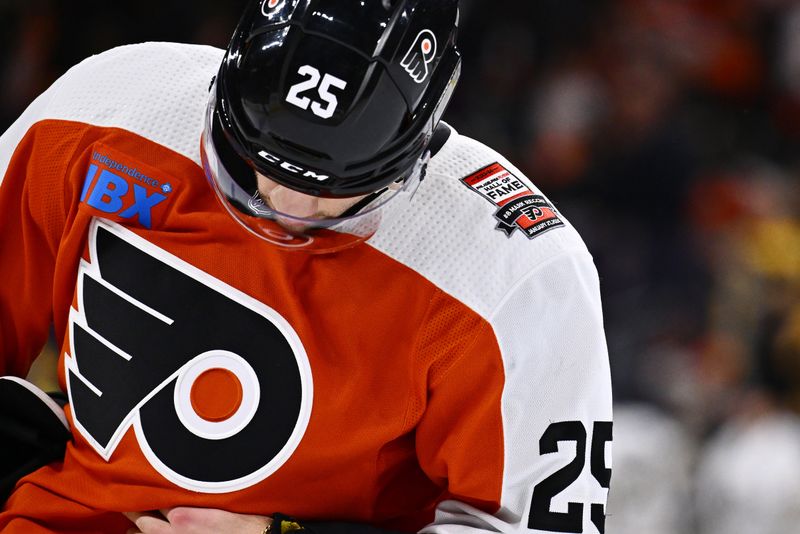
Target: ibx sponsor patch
x=124, y=189
x=519, y=207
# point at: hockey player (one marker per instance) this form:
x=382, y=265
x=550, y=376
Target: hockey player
x=284, y=289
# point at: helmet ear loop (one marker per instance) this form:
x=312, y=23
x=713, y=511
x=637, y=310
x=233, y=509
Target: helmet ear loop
x=422, y=169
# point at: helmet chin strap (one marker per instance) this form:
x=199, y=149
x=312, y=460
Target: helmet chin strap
x=363, y=203
x=419, y=169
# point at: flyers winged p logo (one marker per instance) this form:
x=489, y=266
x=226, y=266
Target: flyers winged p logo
x=269, y=6
x=420, y=55
x=217, y=394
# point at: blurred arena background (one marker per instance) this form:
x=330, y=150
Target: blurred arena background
x=668, y=132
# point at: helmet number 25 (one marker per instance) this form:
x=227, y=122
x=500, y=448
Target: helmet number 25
x=323, y=84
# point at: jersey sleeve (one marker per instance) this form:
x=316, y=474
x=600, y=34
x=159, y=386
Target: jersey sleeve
x=33, y=157
x=545, y=467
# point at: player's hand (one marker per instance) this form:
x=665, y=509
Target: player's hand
x=184, y=520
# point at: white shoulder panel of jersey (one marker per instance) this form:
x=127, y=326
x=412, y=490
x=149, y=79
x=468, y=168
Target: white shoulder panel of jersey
x=449, y=234
x=156, y=90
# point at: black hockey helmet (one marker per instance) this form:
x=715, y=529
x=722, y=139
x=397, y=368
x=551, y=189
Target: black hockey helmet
x=330, y=98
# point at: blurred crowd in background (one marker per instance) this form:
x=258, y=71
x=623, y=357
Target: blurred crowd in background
x=668, y=132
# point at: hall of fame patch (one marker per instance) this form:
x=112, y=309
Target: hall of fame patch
x=519, y=207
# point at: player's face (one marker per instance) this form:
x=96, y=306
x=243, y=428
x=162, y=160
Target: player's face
x=296, y=204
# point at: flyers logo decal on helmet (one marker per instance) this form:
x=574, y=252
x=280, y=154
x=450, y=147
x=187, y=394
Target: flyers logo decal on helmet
x=270, y=5
x=420, y=55
x=215, y=385
x=519, y=208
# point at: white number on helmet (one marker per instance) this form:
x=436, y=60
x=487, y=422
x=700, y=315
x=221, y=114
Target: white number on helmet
x=327, y=107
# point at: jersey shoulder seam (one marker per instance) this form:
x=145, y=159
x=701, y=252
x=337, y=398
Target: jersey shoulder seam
x=573, y=251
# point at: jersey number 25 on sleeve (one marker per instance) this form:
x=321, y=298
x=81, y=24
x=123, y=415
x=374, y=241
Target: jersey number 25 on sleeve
x=541, y=518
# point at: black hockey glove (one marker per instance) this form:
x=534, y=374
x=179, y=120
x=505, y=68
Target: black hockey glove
x=33, y=431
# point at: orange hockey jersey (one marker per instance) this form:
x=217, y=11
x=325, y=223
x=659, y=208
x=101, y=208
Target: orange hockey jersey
x=449, y=375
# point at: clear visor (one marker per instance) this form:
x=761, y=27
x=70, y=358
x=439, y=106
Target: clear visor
x=351, y=221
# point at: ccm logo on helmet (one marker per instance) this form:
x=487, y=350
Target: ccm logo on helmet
x=419, y=56
x=293, y=168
